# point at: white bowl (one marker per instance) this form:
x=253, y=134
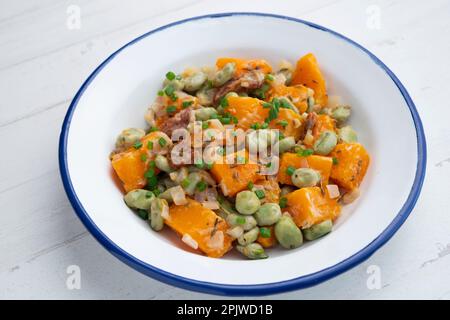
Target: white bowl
x=116, y=96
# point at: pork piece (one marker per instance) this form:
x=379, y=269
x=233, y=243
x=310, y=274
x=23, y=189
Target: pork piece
x=178, y=121
x=247, y=82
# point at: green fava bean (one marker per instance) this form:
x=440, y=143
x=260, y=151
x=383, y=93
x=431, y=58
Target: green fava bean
x=204, y=114
x=341, y=113
x=347, y=134
x=318, y=230
x=128, y=137
x=139, y=199
x=191, y=183
x=252, y=251
x=305, y=177
x=158, y=208
x=162, y=163
x=286, y=144
x=205, y=96
x=178, y=85
x=194, y=82
x=223, y=75
x=249, y=237
x=245, y=222
x=287, y=233
x=325, y=143
x=247, y=202
x=268, y=214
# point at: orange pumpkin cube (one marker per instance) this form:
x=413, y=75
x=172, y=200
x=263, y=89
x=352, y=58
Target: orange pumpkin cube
x=203, y=225
x=131, y=165
x=309, y=206
x=351, y=167
x=234, y=177
x=245, y=65
x=307, y=73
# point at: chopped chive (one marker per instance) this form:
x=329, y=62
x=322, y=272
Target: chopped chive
x=265, y=125
x=209, y=165
x=156, y=192
x=162, y=142
x=224, y=102
x=153, y=129
x=225, y=120
x=150, y=145
x=265, y=232
x=205, y=125
x=269, y=165
x=260, y=194
x=283, y=202
x=235, y=120
x=170, y=75
x=201, y=186
x=143, y=157
x=185, y=183
x=305, y=152
x=171, y=109
x=149, y=194
x=290, y=170
x=280, y=136
x=152, y=182
x=269, y=77
x=143, y=214
x=285, y=104
x=255, y=126
x=169, y=90
x=149, y=173
x=200, y=165
x=152, y=164
x=250, y=185
x=283, y=123
x=335, y=161
x=266, y=105
x=186, y=104
x=137, y=144
x=160, y=93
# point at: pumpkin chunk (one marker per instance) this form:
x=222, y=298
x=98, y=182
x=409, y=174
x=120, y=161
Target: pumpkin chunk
x=352, y=161
x=249, y=111
x=307, y=73
x=243, y=66
x=201, y=224
x=233, y=178
x=131, y=165
x=309, y=206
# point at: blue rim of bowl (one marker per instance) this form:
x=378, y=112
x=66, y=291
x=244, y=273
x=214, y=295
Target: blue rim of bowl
x=259, y=289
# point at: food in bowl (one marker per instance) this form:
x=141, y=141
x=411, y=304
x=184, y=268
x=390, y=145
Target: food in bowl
x=243, y=156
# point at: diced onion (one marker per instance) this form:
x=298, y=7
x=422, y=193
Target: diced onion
x=189, y=241
x=216, y=241
x=173, y=175
x=178, y=196
x=309, y=138
x=235, y=232
x=333, y=191
x=165, y=212
x=213, y=205
x=350, y=196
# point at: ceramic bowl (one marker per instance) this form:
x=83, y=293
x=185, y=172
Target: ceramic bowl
x=116, y=96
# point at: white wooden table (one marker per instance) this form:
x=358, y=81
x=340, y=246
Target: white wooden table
x=44, y=59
